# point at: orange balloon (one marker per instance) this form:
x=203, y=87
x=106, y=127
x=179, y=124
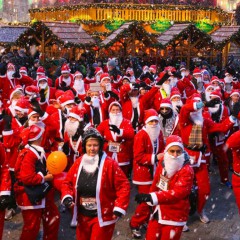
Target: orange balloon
x=56, y=162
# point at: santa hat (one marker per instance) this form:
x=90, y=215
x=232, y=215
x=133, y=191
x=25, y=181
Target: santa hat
x=17, y=89
x=150, y=114
x=31, y=112
x=153, y=68
x=126, y=78
x=104, y=76
x=207, y=86
x=182, y=68
x=196, y=97
x=22, y=105
x=77, y=113
x=23, y=70
x=59, y=93
x=166, y=103
x=205, y=72
x=114, y=104
x=235, y=92
x=66, y=99
x=170, y=69
x=30, y=90
x=173, y=140
x=98, y=70
x=31, y=133
x=214, y=79
x=42, y=78
x=10, y=65
x=175, y=93
x=40, y=70
x=77, y=73
x=145, y=68
x=129, y=70
x=228, y=80
x=196, y=71
x=216, y=93
x=65, y=68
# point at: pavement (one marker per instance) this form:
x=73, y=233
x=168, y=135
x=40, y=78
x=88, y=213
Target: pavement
x=221, y=209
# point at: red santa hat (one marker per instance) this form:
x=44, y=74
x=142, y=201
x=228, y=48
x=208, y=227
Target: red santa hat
x=166, y=102
x=196, y=97
x=153, y=68
x=77, y=73
x=235, y=92
x=40, y=70
x=31, y=133
x=59, y=93
x=23, y=70
x=65, y=68
x=145, y=68
x=42, y=77
x=66, y=99
x=104, y=76
x=114, y=104
x=150, y=114
x=22, y=105
x=216, y=93
x=173, y=140
x=10, y=65
x=214, y=79
x=207, y=86
x=126, y=78
x=98, y=70
x=129, y=70
x=170, y=69
x=30, y=90
x=182, y=68
x=196, y=71
x=31, y=112
x=175, y=93
x=77, y=113
x=18, y=88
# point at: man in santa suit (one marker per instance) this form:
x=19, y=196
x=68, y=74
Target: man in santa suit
x=208, y=88
x=194, y=129
x=118, y=134
x=41, y=72
x=130, y=74
x=10, y=80
x=168, y=119
x=31, y=91
x=218, y=114
x=79, y=86
x=148, y=145
x=169, y=193
x=97, y=190
x=66, y=80
x=98, y=71
x=5, y=187
x=31, y=172
x=176, y=101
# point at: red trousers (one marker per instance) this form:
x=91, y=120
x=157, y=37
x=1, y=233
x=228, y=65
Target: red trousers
x=222, y=160
x=88, y=228
x=157, y=231
x=236, y=189
x=32, y=220
x=203, y=184
x=2, y=214
x=142, y=212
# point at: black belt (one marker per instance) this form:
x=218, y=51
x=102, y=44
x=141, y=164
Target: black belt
x=196, y=149
x=236, y=173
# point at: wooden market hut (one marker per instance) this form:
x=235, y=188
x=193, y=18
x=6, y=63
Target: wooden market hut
x=223, y=38
x=131, y=37
x=53, y=37
x=185, y=42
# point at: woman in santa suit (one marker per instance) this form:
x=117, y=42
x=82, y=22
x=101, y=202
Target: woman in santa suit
x=97, y=189
x=169, y=193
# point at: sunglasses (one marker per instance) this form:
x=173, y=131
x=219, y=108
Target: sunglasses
x=175, y=151
x=164, y=108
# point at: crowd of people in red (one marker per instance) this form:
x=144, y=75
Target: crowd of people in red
x=156, y=129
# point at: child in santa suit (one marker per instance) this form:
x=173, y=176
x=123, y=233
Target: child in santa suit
x=97, y=189
x=169, y=193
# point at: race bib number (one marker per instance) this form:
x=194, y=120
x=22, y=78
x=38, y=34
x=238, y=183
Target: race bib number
x=88, y=203
x=163, y=183
x=113, y=147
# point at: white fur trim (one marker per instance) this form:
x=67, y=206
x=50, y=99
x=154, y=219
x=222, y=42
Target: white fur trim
x=153, y=159
x=32, y=113
x=65, y=71
x=66, y=197
x=38, y=136
x=142, y=183
x=7, y=133
x=231, y=119
x=235, y=93
x=151, y=118
x=41, y=176
x=25, y=110
x=174, y=144
x=119, y=210
x=105, y=78
x=154, y=199
x=176, y=95
x=195, y=106
x=212, y=95
x=75, y=116
x=67, y=102
x=4, y=193
x=44, y=116
x=166, y=105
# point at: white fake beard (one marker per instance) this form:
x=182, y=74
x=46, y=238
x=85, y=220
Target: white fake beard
x=153, y=131
x=95, y=102
x=98, y=78
x=183, y=74
x=67, y=81
x=90, y=164
x=116, y=118
x=214, y=109
x=176, y=104
x=199, y=79
x=167, y=88
x=38, y=123
x=173, y=82
x=79, y=86
x=132, y=79
x=71, y=127
x=10, y=74
x=134, y=101
x=228, y=88
x=43, y=85
x=173, y=164
x=197, y=117
x=207, y=96
x=13, y=103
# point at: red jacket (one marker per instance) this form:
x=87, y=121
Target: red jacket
x=125, y=137
x=144, y=157
x=60, y=79
x=112, y=190
x=173, y=204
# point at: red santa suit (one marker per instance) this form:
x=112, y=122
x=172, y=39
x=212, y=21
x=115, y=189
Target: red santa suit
x=27, y=174
x=171, y=200
x=68, y=82
x=144, y=163
x=112, y=193
x=80, y=87
x=233, y=143
x=196, y=153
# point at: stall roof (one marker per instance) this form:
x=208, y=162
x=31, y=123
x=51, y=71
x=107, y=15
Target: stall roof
x=10, y=34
